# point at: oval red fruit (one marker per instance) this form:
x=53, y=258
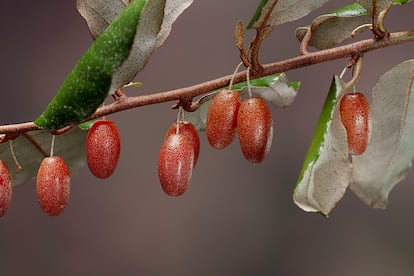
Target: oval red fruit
x=355, y=116
x=103, y=147
x=53, y=185
x=5, y=188
x=190, y=131
x=221, y=119
x=255, y=129
x=175, y=164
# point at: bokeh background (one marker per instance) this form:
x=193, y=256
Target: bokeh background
x=236, y=218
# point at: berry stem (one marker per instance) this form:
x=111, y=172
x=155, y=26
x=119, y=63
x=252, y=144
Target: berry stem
x=52, y=145
x=249, y=89
x=235, y=72
x=356, y=75
x=18, y=166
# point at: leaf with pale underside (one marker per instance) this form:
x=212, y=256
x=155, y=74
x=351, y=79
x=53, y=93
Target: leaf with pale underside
x=153, y=29
x=330, y=29
x=390, y=152
x=274, y=88
x=284, y=11
x=31, y=147
x=326, y=172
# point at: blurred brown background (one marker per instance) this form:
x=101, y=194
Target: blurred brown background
x=236, y=218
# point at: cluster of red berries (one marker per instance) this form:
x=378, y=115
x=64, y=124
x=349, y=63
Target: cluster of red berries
x=355, y=116
x=250, y=118
x=53, y=177
x=227, y=113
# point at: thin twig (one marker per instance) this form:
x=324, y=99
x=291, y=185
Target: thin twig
x=256, y=67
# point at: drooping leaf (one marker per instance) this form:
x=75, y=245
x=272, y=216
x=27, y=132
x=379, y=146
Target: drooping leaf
x=330, y=29
x=274, y=88
x=30, y=148
x=88, y=84
x=284, y=11
x=390, y=151
x=326, y=172
x=154, y=27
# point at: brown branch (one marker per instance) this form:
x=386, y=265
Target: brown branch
x=184, y=94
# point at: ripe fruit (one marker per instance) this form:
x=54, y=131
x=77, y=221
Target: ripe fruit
x=5, y=188
x=53, y=185
x=190, y=131
x=175, y=164
x=255, y=128
x=222, y=118
x=103, y=147
x=355, y=116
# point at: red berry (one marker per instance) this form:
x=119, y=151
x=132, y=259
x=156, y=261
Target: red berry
x=53, y=185
x=221, y=119
x=190, y=131
x=255, y=128
x=175, y=164
x=103, y=147
x=5, y=188
x=355, y=116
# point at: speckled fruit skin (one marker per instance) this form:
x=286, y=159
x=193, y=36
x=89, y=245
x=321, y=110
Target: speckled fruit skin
x=221, y=119
x=53, y=185
x=175, y=164
x=5, y=188
x=190, y=131
x=255, y=129
x=355, y=116
x=103, y=147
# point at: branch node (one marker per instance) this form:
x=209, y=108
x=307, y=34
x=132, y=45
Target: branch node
x=119, y=95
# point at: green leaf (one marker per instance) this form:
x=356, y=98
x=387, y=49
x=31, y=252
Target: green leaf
x=274, y=88
x=30, y=148
x=88, y=84
x=326, y=172
x=390, y=152
x=284, y=11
